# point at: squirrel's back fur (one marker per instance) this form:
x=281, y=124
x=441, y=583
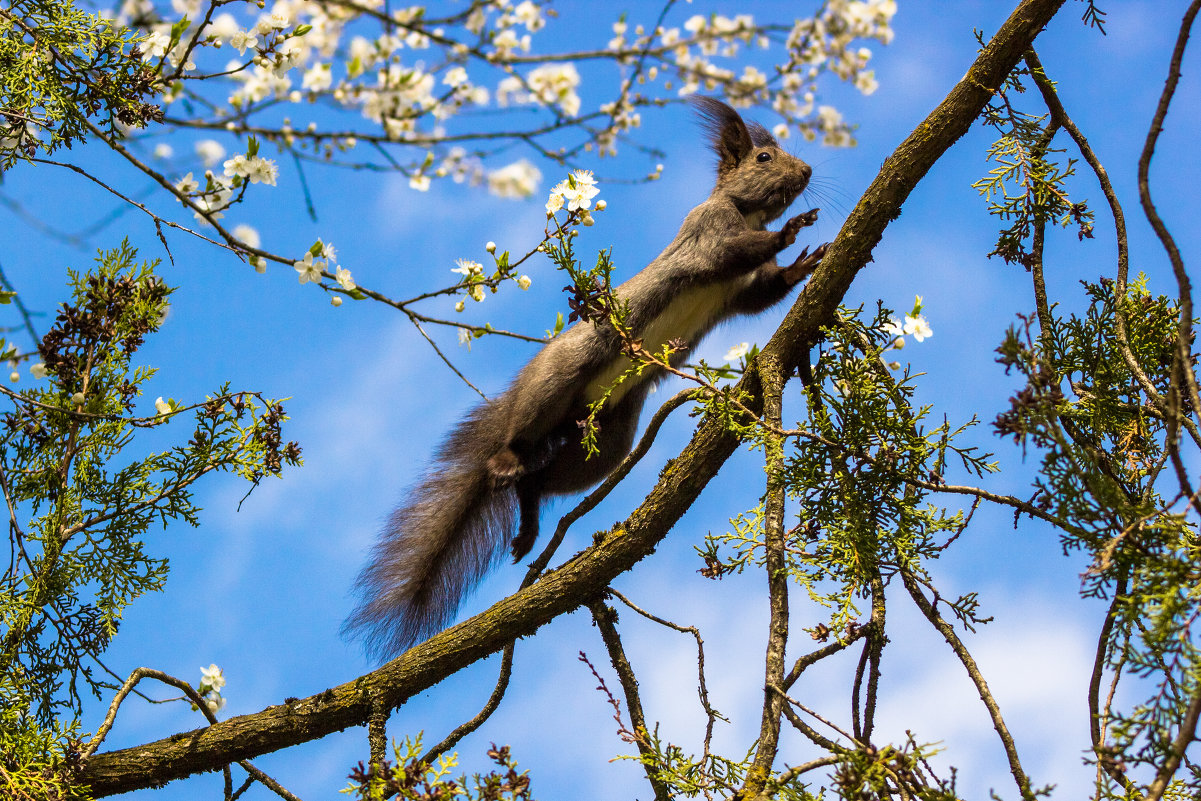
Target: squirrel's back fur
x=512, y=452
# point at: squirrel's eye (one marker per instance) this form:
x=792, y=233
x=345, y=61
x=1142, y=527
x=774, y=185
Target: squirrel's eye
x=763, y=156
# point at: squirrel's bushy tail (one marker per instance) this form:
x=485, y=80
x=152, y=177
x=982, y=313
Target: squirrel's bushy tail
x=434, y=549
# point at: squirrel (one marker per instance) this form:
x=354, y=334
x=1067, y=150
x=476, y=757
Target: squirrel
x=512, y=452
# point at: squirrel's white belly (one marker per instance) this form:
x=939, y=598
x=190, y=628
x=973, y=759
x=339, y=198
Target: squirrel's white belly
x=685, y=316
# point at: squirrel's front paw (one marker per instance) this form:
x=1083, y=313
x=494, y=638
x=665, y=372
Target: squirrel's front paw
x=789, y=231
x=805, y=264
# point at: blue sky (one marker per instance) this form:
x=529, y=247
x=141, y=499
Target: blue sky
x=262, y=591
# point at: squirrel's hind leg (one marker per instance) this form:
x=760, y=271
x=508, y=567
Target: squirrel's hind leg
x=529, y=502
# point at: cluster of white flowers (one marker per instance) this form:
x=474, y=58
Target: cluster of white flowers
x=519, y=179
x=463, y=167
x=414, y=76
x=399, y=99
x=254, y=169
x=474, y=281
x=218, y=192
x=825, y=42
x=473, y=273
x=914, y=326
x=575, y=192
x=622, y=117
x=549, y=85
x=211, y=682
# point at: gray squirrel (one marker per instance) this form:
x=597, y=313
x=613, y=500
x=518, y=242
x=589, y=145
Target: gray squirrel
x=510, y=453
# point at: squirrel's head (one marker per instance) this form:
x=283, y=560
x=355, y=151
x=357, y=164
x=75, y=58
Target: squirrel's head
x=753, y=171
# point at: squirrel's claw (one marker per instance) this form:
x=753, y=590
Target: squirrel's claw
x=789, y=231
x=805, y=264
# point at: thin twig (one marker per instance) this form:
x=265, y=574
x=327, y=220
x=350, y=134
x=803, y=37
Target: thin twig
x=973, y=670
x=711, y=714
x=1184, y=379
x=463, y=729
x=605, y=618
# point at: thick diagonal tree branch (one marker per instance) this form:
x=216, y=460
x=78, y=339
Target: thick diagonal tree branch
x=585, y=577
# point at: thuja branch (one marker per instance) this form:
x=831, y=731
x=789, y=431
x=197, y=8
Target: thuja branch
x=586, y=576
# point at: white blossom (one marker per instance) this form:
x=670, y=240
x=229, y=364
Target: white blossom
x=261, y=170
x=529, y=15
x=247, y=234
x=240, y=40
x=550, y=84
x=187, y=184
x=866, y=82
x=212, y=204
x=362, y=55
x=155, y=46
x=468, y=268
x=917, y=327
x=210, y=151
x=275, y=21
x=211, y=676
x=737, y=352
x=309, y=269
x=580, y=190
x=237, y=167
x=317, y=78
x=519, y=179
x=507, y=42
x=222, y=27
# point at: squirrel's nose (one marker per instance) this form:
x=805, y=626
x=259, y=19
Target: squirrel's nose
x=806, y=171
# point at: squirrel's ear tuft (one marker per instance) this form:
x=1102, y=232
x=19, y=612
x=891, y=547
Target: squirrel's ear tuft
x=760, y=136
x=728, y=134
